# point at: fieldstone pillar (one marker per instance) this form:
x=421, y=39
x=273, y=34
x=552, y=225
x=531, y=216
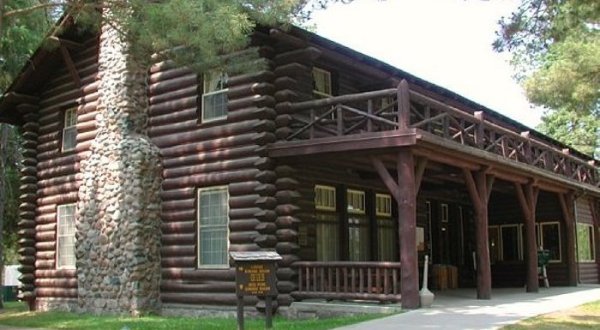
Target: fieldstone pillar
x=118, y=224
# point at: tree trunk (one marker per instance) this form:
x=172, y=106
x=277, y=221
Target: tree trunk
x=3, y=185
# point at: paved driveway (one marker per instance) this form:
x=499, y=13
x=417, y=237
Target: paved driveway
x=458, y=309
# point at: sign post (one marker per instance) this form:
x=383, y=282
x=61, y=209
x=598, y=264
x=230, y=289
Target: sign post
x=255, y=276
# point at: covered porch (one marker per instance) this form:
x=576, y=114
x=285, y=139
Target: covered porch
x=388, y=176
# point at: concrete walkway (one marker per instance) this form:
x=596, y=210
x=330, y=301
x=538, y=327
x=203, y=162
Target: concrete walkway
x=458, y=309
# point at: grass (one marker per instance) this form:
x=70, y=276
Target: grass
x=582, y=317
x=16, y=314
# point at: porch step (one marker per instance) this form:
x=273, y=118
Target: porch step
x=323, y=308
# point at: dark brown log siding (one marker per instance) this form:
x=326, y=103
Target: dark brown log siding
x=588, y=271
x=197, y=155
x=57, y=170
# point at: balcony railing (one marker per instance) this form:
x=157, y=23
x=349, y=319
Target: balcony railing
x=378, y=111
x=343, y=280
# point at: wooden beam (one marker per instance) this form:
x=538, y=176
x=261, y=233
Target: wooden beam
x=403, y=105
x=407, y=218
x=355, y=142
x=387, y=179
x=527, y=196
x=477, y=186
x=567, y=205
x=419, y=171
x=70, y=65
x=67, y=43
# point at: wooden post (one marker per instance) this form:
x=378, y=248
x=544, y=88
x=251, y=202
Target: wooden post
x=528, y=196
x=407, y=218
x=567, y=202
x=269, y=312
x=403, y=105
x=240, y=312
x=480, y=188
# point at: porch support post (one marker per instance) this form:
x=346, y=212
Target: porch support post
x=407, y=218
x=528, y=196
x=567, y=202
x=405, y=191
x=479, y=185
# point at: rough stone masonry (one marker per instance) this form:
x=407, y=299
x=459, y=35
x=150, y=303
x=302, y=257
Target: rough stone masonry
x=118, y=223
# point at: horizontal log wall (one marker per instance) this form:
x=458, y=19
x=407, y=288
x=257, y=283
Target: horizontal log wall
x=197, y=155
x=587, y=271
x=57, y=170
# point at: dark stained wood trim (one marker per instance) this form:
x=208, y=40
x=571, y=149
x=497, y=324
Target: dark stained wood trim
x=407, y=218
x=419, y=171
x=477, y=185
x=70, y=65
x=567, y=203
x=379, y=140
x=386, y=177
x=455, y=153
x=528, y=196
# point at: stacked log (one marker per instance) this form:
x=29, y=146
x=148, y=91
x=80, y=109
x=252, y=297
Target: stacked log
x=27, y=200
x=195, y=155
x=57, y=170
x=293, y=83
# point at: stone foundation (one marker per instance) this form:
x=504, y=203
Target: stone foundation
x=118, y=227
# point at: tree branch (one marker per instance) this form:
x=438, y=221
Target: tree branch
x=30, y=9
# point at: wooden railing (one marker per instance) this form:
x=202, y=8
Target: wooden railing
x=345, y=280
x=379, y=111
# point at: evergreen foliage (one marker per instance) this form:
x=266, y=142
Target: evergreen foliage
x=556, y=53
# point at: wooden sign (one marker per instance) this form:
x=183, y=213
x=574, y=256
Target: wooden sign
x=255, y=278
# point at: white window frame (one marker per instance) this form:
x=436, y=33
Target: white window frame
x=383, y=205
x=519, y=242
x=60, y=218
x=327, y=75
x=356, y=201
x=590, y=231
x=200, y=226
x=541, y=233
x=322, y=203
x=69, y=125
x=206, y=91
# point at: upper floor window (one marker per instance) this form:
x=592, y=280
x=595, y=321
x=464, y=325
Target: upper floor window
x=321, y=82
x=213, y=227
x=65, y=236
x=214, y=96
x=69, y=133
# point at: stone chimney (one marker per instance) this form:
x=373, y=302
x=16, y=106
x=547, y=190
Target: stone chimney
x=118, y=223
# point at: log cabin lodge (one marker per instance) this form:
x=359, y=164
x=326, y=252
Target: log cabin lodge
x=352, y=170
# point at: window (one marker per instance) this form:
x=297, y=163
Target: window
x=214, y=97
x=510, y=242
x=585, y=242
x=69, y=133
x=444, y=212
x=385, y=228
x=65, y=237
x=321, y=83
x=213, y=227
x=358, y=226
x=327, y=221
x=550, y=239
x=325, y=198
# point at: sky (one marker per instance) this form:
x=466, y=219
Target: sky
x=446, y=42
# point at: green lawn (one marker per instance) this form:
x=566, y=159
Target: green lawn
x=583, y=317
x=16, y=314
